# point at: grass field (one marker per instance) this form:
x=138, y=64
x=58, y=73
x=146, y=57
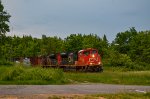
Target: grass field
x=104, y=96
x=30, y=75
x=38, y=76
x=127, y=78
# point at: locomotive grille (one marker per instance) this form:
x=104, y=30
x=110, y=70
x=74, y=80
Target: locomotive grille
x=92, y=59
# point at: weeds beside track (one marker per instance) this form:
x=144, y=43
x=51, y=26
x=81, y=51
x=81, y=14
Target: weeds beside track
x=37, y=76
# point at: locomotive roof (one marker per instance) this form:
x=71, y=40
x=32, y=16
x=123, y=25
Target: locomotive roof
x=86, y=49
x=80, y=51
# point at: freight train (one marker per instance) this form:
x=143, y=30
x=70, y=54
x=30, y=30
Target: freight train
x=84, y=60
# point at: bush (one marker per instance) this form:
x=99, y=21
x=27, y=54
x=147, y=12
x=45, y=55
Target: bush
x=41, y=74
x=20, y=73
x=10, y=73
x=5, y=62
x=124, y=61
x=134, y=67
x=120, y=60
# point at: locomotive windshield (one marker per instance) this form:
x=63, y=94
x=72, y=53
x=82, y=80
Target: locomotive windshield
x=94, y=51
x=86, y=53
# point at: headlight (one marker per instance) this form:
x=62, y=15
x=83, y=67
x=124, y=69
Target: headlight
x=93, y=55
x=91, y=63
x=99, y=63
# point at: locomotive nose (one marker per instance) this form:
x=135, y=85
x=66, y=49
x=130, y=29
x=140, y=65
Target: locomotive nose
x=99, y=63
x=93, y=55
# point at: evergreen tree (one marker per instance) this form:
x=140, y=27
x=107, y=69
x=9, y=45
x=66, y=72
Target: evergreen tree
x=4, y=18
x=105, y=41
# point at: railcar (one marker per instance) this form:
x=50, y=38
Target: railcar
x=83, y=60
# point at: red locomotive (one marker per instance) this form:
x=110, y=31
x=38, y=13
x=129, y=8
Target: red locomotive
x=83, y=60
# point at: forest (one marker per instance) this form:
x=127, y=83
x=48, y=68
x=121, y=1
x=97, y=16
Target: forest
x=130, y=49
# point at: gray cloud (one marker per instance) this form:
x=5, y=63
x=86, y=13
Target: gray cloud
x=63, y=17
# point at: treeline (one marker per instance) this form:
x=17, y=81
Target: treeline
x=27, y=46
x=130, y=49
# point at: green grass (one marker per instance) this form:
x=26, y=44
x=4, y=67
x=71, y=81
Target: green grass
x=127, y=78
x=111, y=75
x=104, y=96
x=124, y=96
x=38, y=76
x=24, y=75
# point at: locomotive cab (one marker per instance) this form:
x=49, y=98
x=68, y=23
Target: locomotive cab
x=89, y=57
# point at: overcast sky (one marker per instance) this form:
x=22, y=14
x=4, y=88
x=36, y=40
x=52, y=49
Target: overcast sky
x=64, y=17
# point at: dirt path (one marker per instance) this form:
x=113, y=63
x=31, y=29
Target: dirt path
x=44, y=90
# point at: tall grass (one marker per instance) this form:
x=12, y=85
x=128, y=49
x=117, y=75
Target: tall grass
x=127, y=78
x=124, y=96
x=104, y=96
x=28, y=75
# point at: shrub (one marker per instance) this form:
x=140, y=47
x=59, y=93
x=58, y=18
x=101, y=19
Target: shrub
x=120, y=60
x=124, y=61
x=20, y=73
x=134, y=67
x=10, y=73
x=5, y=62
x=41, y=74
